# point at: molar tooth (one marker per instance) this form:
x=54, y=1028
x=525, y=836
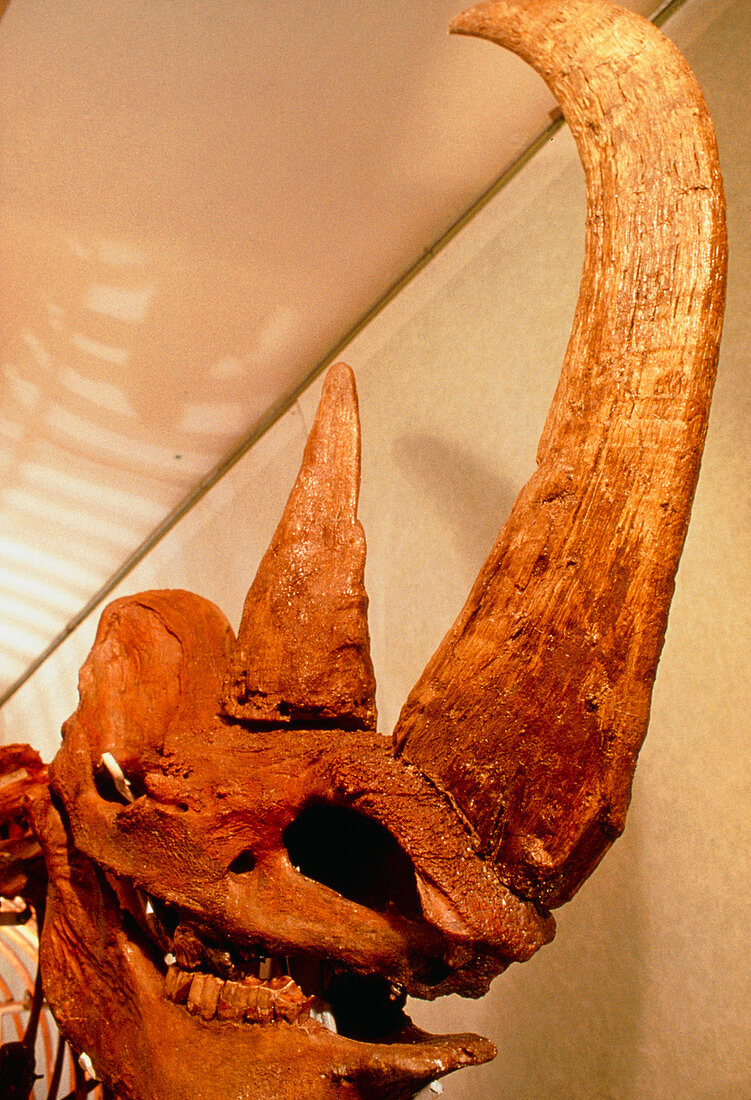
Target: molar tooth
x=264, y=968
x=221, y=961
x=232, y=1001
x=265, y=1004
x=251, y=989
x=212, y=992
x=177, y=985
x=169, y=959
x=282, y=983
x=289, y=1000
x=187, y=948
x=204, y=995
x=194, y=998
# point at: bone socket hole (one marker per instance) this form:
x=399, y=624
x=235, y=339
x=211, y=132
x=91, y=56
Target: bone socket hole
x=243, y=863
x=355, y=856
x=111, y=783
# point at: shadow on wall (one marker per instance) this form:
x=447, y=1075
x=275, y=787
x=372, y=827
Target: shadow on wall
x=568, y=1023
x=471, y=501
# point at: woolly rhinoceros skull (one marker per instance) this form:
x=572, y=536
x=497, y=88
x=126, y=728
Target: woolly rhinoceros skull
x=246, y=879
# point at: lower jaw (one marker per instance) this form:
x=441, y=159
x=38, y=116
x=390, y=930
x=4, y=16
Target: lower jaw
x=112, y=1006
x=292, y=1055
x=318, y=1055
x=304, y=1059
x=154, y=1049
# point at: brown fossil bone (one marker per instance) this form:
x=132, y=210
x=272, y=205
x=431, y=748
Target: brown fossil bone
x=237, y=859
x=23, y=887
x=193, y=856
x=22, y=869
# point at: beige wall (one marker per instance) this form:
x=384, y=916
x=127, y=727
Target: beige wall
x=645, y=994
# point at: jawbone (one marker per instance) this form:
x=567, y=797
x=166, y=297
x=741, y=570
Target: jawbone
x=108, y=992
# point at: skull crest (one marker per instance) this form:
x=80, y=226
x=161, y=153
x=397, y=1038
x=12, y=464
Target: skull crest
x=246, y=880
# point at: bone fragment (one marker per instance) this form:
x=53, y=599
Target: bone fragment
x=22, y=868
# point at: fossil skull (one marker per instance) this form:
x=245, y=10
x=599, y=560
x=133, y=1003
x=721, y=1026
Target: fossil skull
x=266, y=843
x=246, y=879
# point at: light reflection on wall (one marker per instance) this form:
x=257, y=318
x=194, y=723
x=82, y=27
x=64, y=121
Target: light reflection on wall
x=123, y=384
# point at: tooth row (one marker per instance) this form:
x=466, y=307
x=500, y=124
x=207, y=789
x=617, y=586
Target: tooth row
x=252, y=1000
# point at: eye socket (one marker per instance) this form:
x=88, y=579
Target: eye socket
x=355, y=856
x=242, y=863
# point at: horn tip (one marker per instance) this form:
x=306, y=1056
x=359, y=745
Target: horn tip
x=473, y=21
x=340, y=382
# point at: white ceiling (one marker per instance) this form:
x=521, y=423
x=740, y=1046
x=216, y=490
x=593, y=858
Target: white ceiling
x=197, y=203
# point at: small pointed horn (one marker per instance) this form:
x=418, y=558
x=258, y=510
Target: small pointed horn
x=533, y=709
x=303, y=649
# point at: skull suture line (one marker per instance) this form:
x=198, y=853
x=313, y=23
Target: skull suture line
x=237, y=859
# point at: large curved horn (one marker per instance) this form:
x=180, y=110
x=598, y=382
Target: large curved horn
x=532, y=711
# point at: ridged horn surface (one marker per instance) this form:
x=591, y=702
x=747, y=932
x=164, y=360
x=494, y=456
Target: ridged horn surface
x=533, y=709
x=303, y=649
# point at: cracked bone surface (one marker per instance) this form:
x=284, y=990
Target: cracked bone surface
x=236, y=858
x=22, y=870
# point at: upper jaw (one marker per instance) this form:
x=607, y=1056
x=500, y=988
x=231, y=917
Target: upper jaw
x=220, y=977
x=459, y=919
